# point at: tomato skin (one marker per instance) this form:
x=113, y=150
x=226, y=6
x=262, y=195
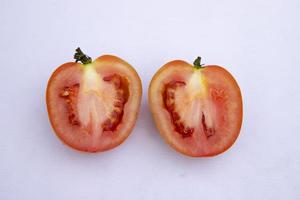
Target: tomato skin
x=179, y=70
x=72, y=73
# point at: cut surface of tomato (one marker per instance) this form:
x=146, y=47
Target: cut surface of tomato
x=93, y=106
x=197, y=109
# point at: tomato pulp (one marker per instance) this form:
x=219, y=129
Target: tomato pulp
x=93, y=106
x=197, y=109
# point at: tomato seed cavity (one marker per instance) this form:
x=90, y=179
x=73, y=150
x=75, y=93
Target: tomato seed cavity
x=122, y=93
x=169, y=102
x=207, y=131
x=70, y=95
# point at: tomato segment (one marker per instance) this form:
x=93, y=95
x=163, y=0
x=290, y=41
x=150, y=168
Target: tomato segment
x=197, y=111
x=93, y=107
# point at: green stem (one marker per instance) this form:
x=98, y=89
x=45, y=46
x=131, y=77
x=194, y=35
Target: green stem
x=80, y=56
x=197, y=63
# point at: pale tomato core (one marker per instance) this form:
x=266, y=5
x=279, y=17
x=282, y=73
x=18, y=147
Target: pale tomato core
x=190, y=106
x=96, y=103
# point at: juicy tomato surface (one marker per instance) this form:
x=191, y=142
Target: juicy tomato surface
x=93, y=106
x=197, y=109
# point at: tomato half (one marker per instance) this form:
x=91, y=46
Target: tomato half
x=197, y=109
x=93, y=106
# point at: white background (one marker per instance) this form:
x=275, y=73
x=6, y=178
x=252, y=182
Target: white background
x=257, y=41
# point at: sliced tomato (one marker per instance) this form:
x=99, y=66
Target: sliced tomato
x=197, y=109
x=93, y=106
